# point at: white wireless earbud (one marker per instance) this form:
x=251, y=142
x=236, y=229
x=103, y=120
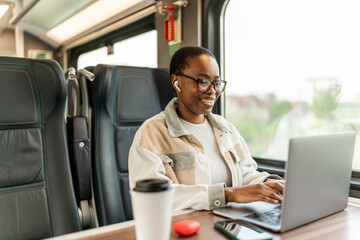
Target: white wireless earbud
x=177, y=86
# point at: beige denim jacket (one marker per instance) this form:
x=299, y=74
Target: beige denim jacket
x=163, y=149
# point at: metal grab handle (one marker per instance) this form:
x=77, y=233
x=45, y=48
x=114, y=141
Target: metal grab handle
x=88, y=75
x=70, y=74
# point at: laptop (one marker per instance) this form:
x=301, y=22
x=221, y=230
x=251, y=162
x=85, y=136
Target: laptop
x=317, y=174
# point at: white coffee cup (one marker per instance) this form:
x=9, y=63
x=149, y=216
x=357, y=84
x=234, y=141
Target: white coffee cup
x=152, y=201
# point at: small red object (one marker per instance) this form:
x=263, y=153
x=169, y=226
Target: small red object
x=169, y=24
x=186, y=227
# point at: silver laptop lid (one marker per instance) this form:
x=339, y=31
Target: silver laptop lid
x=317, y=177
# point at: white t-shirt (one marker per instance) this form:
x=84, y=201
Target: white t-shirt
x=220, y=172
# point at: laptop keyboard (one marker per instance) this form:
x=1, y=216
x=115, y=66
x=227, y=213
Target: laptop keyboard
x=271, y=217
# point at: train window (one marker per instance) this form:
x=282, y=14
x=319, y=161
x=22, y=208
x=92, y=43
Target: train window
x=292, y=67
x=140, y=50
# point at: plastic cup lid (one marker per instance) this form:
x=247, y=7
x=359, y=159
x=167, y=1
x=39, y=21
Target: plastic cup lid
x=151, y=185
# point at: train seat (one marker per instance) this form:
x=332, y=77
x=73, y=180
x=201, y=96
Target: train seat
x=122, y=98
x=36, y=194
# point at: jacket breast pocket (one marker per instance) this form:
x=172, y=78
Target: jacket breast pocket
x=183, y=165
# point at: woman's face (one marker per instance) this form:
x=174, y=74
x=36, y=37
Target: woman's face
x=193, y=104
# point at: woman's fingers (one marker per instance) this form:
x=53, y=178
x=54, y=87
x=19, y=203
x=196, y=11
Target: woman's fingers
x=279, y=185
x=270, y=200
x=273, y=194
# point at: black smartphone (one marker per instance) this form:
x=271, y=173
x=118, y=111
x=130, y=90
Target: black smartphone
x=241, y=230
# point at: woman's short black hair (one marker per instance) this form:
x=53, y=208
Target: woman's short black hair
x=179, y=60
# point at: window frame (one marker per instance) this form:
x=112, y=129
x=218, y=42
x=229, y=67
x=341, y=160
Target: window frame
x=213, y=13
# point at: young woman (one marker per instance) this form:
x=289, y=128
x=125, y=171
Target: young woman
x=200, y=153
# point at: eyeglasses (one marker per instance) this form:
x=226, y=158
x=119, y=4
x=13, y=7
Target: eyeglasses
x=204, y=84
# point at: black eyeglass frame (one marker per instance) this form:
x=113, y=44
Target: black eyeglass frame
x=202, y=79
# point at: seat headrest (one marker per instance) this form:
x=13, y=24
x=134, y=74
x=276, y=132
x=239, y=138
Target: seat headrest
x=137, y=95
x=31, y=90
x=130, y=94
x=19, y=98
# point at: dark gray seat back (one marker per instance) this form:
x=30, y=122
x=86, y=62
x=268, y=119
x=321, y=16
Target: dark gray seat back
x=36, y=194
x=122, y=98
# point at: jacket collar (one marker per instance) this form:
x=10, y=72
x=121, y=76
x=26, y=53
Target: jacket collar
x=175, y=127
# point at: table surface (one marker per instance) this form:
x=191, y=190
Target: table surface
x=341, y=225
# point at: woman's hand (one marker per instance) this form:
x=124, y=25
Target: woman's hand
x=268, y=191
